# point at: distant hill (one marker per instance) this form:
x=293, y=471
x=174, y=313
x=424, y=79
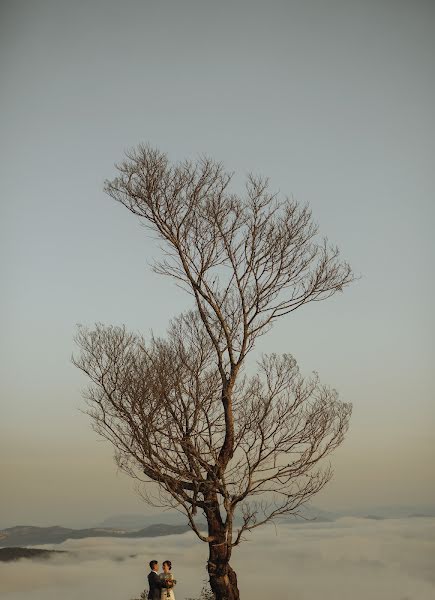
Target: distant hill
x=32, y=536
x=390, y=512
x=134, y=522
x=310, y=513
x=11, y=554
x=173, y=523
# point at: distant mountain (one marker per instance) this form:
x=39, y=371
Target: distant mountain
x=173, y=523
x=390, y=512
x=309, y=513
x=134, y=522
x=32, y=536
x=11, y=554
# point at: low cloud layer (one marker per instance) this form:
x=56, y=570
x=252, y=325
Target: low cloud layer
x=357, y=558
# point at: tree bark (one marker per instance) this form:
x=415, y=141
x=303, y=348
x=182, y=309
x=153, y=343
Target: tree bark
x=223, y=579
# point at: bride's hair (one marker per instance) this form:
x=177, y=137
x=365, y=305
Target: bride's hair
x=168, y=562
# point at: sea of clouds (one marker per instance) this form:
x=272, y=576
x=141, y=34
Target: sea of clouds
x=393, y=559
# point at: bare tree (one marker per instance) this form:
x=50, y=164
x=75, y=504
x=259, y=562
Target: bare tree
x=182, y=410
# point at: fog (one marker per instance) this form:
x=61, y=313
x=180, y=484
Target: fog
x=359, y=558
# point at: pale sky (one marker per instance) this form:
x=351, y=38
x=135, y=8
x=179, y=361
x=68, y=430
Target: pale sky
x=332, y=99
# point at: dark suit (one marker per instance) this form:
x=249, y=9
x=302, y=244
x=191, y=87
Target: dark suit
x=155, y=584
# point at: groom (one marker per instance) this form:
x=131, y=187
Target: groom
x=154, y=582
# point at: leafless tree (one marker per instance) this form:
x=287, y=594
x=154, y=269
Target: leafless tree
x=182, y=411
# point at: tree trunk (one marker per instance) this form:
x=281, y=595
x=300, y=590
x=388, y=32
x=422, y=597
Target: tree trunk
x=223, y=580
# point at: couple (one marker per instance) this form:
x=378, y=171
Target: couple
x=161, y=586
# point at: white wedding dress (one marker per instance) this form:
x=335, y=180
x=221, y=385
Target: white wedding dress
x=167, y=593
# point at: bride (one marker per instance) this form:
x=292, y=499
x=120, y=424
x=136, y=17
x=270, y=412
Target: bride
x=167, y=593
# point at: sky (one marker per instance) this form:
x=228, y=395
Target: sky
x=358, y=558
x=331, y=99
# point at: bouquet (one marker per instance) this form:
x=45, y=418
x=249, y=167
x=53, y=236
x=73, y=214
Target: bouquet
x=169, y=583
